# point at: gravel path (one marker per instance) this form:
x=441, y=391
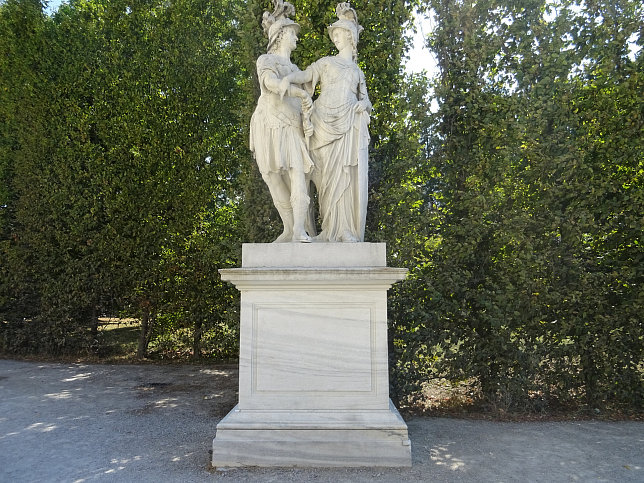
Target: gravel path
x=150, y=423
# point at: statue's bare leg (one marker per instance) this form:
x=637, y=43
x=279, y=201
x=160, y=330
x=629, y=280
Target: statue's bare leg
x=281, y=199
x=300, y=203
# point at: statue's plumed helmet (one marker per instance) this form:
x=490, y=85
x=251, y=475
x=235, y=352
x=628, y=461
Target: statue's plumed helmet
x=274, y=22
x=347, y=20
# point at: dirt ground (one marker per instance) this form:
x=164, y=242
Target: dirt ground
x=82, y=422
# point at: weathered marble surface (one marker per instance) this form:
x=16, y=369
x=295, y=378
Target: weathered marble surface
x=313, y=380
x=290, y=255
x=312, y=439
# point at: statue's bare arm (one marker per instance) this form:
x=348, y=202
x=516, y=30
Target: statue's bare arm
x=288, y=84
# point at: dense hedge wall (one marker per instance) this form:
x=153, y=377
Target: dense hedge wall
x=125, y=183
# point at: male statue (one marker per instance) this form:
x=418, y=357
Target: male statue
x=277, y=138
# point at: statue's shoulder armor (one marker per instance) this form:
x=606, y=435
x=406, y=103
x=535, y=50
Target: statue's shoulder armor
x=265, y=61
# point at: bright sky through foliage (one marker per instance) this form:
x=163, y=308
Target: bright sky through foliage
x=420, y=56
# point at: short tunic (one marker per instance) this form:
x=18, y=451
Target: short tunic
x=276, y=133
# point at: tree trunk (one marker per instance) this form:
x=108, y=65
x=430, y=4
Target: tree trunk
x=93, y=325
x=142, y=349
x=196, y=340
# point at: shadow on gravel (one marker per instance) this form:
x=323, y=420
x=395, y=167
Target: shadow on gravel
x=79, y=422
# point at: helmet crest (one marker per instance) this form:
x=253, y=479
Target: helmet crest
x=273, y=22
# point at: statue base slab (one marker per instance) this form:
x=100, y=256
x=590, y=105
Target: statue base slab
x=312, y=439
x=313, y=368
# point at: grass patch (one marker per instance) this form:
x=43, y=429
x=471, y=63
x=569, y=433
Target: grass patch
x=118, y=339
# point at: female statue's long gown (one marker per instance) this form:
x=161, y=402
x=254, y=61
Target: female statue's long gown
x=339, y=148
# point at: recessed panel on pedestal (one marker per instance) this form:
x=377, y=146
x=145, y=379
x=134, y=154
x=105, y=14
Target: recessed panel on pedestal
x=312, y=349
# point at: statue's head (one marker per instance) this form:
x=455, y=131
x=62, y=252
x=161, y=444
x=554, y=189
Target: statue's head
x=277, y=23
x=347, y=21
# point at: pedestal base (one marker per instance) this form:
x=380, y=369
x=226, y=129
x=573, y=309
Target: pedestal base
x=312, y=439
x=313, y=363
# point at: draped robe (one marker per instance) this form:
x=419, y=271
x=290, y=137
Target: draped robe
x=339, y=148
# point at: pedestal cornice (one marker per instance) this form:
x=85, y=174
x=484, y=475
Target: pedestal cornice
x=359, y=276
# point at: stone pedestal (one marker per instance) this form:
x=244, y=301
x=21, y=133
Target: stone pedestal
x=313, y=369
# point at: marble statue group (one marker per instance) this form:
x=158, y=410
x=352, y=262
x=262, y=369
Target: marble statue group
x=297, y=141
x=313, y=343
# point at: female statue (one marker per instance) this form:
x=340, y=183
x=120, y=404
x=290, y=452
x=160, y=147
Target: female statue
x=340, y=140
x=276, y=133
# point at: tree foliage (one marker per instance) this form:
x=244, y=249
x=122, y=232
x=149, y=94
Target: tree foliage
x=533, y=287
x=125, y=154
